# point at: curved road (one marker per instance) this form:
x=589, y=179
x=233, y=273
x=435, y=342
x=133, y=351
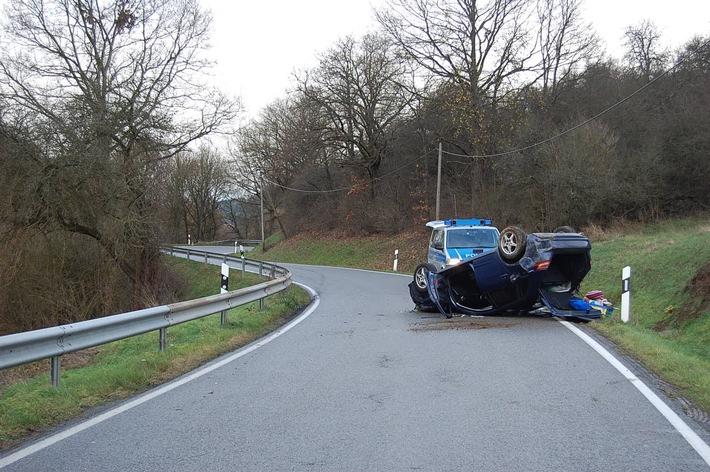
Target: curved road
x=362, y=382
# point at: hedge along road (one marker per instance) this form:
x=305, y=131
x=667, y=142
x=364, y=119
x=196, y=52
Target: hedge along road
x=363, y=382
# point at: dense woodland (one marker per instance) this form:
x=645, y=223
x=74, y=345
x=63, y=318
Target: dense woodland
x=106, y=117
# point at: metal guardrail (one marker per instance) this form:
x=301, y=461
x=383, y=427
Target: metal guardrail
x=235, y=242
x=52, y=343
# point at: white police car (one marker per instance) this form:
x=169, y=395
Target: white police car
x=454, y=241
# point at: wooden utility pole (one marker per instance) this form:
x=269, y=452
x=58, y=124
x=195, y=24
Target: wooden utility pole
x=438, y=184
x=261, y=195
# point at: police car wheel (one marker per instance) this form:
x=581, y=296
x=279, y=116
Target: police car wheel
x=420, y=275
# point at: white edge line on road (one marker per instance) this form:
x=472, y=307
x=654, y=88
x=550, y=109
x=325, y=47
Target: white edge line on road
x=686, y=431
x=22, y=453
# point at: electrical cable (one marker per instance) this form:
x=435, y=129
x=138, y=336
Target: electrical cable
x=586, y=122
x=347, y=189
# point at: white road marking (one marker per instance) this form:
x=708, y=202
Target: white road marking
x=686, y=431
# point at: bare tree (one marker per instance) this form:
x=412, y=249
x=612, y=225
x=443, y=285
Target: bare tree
x=483, y=47
x=285, y=147
x=566, y=44
x=487, y=54
x=262, y=158
x=110, y=89
x=644, y=53
x=242, y=214
x=199, y=183
x=362, y=88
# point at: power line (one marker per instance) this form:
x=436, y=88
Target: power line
x=586, y=122
x=347, y=189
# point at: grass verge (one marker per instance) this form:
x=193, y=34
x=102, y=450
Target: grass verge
x=29, y=403
x=369, y=252
x=669, y=327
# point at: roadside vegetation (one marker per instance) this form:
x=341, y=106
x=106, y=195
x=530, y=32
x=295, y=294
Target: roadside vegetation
x=669, y=328
x=93, y=377
x=374, y=252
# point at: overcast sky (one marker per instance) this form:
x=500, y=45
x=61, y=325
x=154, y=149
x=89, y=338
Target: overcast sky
x=258, y=44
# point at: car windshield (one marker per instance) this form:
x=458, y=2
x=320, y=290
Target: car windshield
x=471, y=237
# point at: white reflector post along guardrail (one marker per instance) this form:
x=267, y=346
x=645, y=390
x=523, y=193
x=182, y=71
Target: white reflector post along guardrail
x=51, y=343
x=224, y=288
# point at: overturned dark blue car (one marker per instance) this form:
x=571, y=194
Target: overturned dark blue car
x=536, y=272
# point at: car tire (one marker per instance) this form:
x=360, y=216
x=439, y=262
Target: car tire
x=420, y=276
x=565, y=229
x=511, y=243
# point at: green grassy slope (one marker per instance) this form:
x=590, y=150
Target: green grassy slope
x=669, y=327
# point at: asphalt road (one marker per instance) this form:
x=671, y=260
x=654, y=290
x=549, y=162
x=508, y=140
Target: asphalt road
x=364, y=383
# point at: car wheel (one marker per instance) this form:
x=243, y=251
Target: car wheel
x=565, y=229
x=511, y=243
x=420, y=276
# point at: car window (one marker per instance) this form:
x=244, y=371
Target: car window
x=471, y=237
x=437, y=236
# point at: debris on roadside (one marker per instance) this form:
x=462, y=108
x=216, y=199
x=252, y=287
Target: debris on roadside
x=596, y=299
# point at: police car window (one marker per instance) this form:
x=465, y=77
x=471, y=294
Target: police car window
x=465, y=238
x=437, y=236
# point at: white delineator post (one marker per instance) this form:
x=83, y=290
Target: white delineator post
x=225, y=278
x=396, y=255
x=224, y=288
x=625, y=294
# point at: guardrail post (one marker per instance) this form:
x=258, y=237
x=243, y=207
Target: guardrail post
x=261, y=269
x=272, y=275
x=261, y=304
x=244, y=268
x=163, y=338
x=55, y=370
x=187, y=254
x=206, y=259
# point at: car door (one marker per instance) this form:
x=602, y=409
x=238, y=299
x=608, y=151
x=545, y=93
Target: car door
x=436, y=254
